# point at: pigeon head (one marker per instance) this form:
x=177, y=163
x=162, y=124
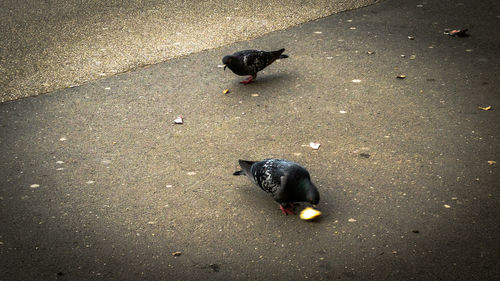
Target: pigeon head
x=227, y=60
x=312, y=194
x=307, y=191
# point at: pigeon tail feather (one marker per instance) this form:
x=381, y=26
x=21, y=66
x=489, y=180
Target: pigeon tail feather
x=246, y=165
x=279, y=54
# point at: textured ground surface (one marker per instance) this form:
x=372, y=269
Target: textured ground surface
x=98, y=183
x=48, y=45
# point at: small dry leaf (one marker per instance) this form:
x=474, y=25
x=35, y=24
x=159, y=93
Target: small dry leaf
x=314, y=145
x=491, y=162
x=352, y=220
x=485, y=108
x=255, y=95
x=226, y=91
x=176, y=254
x=178, y=120
x=370, y=52
x=365, y=155
x=447, y=206
x=401, y=76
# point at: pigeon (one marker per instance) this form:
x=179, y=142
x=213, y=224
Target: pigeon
x=458, y=32
x=249, y=62
x=286, y=181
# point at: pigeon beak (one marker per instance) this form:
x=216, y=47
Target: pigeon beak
x=225, y=67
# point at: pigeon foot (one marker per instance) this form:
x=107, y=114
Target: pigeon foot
x=287, y=209
x=248, y=80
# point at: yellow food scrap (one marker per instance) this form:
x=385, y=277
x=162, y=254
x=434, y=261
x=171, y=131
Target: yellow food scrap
x=309, y=213
x=485, y=108
x=402, y=76
x=491, y=162
x=225, y=91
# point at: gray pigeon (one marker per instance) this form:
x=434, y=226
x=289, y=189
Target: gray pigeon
x=249, y=62
x=286, y=181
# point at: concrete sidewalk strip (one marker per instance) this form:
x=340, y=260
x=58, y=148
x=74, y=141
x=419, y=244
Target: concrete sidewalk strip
x=98, y=182
x=49, y=45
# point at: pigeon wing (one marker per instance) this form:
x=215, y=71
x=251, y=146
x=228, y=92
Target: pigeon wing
x=253, y=61
x=267, y=176
x=261, y=59
x=280, y=194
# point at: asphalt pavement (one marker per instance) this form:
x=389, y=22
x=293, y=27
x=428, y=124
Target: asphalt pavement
x=97, y=182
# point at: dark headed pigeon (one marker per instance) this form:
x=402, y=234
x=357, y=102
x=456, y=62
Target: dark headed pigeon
x=286, y=181
x=249, y=62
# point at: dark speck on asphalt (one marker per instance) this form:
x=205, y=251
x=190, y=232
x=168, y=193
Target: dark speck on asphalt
x=215, y=267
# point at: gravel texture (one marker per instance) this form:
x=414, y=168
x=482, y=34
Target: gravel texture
x=48, y=45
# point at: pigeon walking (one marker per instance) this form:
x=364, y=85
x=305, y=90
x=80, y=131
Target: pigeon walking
x=249, y=62
x=286, y=181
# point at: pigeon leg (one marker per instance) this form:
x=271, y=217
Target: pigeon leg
x=286, y=210
x=248, y=80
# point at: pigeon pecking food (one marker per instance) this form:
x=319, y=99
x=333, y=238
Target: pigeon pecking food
x=286, y=181
x=249, y=62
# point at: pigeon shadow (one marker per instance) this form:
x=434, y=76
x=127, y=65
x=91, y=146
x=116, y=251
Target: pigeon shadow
x=267, y=80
